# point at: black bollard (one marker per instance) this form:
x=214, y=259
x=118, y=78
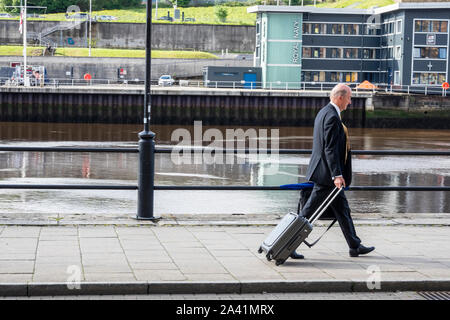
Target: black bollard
x=146, y=184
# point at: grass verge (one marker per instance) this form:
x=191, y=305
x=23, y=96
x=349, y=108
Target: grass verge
x=107, y=53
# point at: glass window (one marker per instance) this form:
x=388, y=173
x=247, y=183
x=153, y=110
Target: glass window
x=336, y=29
x=418, y=26
x=335, y=52
x=398, y=52
x=306, y=52
x=306, y=28
x=436, y=25
x=351, y=29
x=431, y=53
x=444, y=26
x=425, y=26
x=350, y=53
x=399, y=26
x=318, y=53
x=333, y=77
x=319, y=28
x=431, y=78
x=397, y=77
x=369, y=54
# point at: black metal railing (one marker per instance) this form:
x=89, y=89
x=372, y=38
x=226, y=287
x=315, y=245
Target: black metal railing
x=225, y=151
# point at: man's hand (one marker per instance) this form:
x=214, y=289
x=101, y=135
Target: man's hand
x=339, y=182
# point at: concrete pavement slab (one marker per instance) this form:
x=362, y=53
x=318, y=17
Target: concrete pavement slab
x=189, y=257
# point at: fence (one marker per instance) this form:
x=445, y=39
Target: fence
x=253, y=85
x=217, y=188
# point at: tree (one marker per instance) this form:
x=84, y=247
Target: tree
x=54, y=6
x=180, y=3
x=4, y=3
x=221, y=13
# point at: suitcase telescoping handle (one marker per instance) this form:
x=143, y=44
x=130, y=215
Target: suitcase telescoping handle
x=316, y=215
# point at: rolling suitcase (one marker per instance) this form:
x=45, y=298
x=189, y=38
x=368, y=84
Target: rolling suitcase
x=292, y=231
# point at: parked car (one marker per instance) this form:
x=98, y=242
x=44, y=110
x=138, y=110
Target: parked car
x=189, y=19
x=105, y=18
x=77, y=16
x=165, y=80
x=5, y=15
x=166, y=18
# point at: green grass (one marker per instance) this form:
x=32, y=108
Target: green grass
x=206, y=15
x=202, y=15
x=359, y=4
x=109, y=53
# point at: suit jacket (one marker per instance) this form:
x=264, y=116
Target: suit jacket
x=329, y=148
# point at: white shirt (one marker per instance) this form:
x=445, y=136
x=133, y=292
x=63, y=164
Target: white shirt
x=339, y=114
x=337, y=109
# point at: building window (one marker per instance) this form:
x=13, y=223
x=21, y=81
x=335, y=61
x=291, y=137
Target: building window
x=431, y=26
x=319, y=28
x=336, y=29
x=318, y=52
x=351, y=29
x=397, y=77
x=343, y=76
x=429, y=78
x=335, y=53
x=306, y=52
x=314, y=76
x=398, y=52
x=430, y=53
x=350, y=53
x=306, y=28
x=369, y=54
x=399, y=26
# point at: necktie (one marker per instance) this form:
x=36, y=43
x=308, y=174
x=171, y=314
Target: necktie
x=347, y=140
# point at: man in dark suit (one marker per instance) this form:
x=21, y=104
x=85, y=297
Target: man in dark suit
x=330, y=166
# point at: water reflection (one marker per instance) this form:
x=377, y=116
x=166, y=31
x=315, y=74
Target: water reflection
x=113, y=168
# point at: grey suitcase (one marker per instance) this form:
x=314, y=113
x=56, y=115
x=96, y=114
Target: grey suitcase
x=292, y=231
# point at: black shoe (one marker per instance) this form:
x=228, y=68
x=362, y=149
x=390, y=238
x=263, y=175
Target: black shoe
x=360, y=250
x=295, y=255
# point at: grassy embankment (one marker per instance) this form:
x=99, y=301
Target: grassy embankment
x=101, y=52
x=206, y=15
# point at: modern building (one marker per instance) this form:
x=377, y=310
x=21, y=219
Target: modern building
x=400, y=44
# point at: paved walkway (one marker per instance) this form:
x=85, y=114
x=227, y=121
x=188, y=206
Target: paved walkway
x=121, y=259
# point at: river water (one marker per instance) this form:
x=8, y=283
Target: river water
x=121, y=169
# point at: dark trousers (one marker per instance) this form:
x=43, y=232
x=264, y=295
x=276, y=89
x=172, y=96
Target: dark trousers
x=340, y=208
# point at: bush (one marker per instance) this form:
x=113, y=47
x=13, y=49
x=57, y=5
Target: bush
x=221, y=13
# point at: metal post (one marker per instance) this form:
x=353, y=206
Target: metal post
x=146, y=175
x=90, y=26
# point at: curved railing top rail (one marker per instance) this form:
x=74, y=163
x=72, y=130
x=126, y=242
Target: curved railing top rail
x=246, y=151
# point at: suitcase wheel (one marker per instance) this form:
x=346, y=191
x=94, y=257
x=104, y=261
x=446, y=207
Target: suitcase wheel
x=278, y=262
x=260, y=250
x=269, y=257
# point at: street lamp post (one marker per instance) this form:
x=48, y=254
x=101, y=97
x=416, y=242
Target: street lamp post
x=90, y=25
x=146, y=138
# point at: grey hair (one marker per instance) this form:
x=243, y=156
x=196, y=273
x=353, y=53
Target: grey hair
x=339, y=90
